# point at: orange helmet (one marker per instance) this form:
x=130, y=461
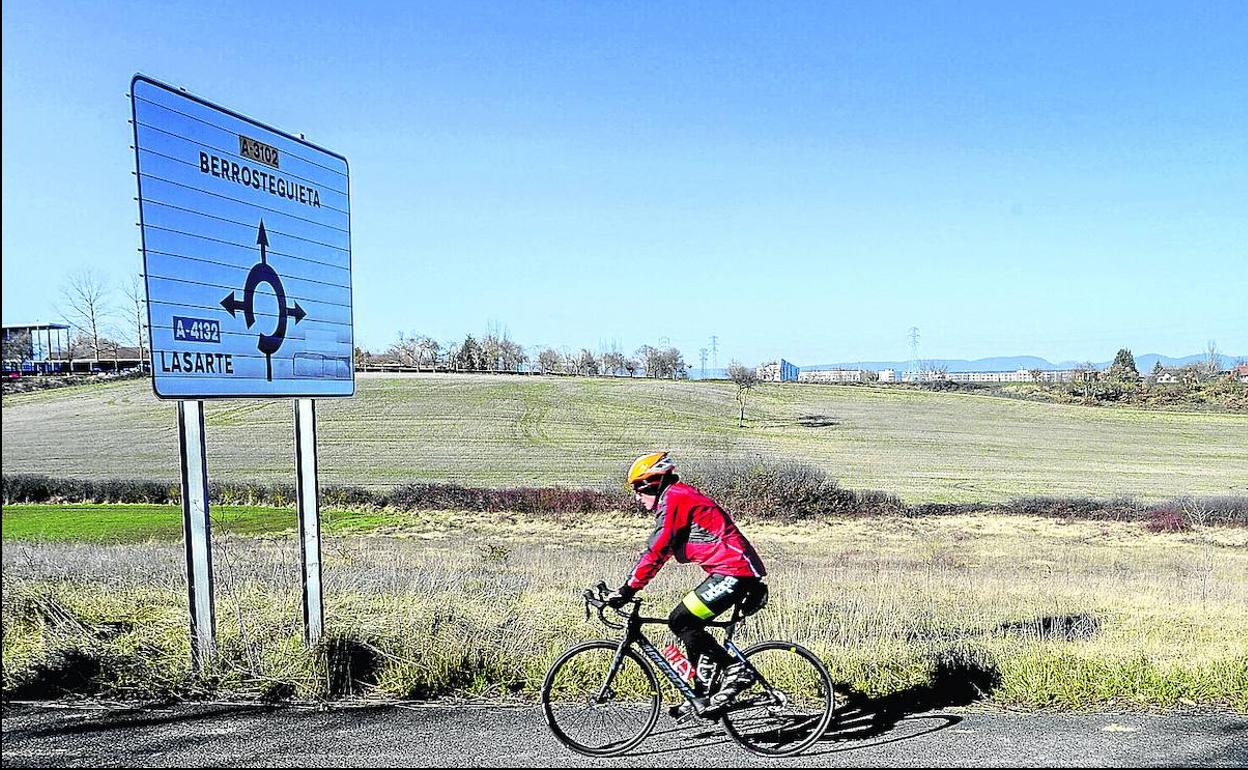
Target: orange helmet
x=650, y=468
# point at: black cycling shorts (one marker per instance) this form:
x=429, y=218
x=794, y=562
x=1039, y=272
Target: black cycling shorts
x=718, y=593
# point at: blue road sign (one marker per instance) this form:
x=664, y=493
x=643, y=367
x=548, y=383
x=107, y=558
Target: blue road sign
x=246, y=253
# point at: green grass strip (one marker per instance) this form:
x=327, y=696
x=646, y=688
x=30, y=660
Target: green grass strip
x=89, y=523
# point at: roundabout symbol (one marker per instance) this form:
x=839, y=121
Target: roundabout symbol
x=263, y=272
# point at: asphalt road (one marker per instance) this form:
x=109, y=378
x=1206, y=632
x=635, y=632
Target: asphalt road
x=498, y=736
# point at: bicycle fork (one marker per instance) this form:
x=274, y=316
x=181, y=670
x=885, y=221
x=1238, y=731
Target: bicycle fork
x=606, y=693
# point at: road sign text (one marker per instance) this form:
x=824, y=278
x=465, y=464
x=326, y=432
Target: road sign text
x=259, y=180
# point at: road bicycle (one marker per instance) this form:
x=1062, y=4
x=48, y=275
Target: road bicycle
x=602, y=698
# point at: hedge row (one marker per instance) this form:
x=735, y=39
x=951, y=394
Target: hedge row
x=788, y=491
x=32, y=382
x=31, y=488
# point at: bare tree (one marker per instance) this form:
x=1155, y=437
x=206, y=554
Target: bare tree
x=1086, y=374
x=491, y=352
x=649, y=357
x=612, y=362
x=666, y=363
x=499, y=353
x=428, y=350
x=136, y=308
x=587, y=363
x=1194, y=374
x=936, y=371
x=1213, y=362
x=524, y=362
x=548, y=360
x=406, y=350
x=113, y=348
x=745, y=379
x=451, y=359
x=87, y=306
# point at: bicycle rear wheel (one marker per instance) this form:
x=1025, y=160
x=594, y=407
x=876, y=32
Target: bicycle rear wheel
x=592, y=718
x=788, y=708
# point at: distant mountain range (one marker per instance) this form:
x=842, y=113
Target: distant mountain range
x=1144, y=363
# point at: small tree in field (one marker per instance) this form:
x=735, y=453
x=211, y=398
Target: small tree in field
x=745, y=379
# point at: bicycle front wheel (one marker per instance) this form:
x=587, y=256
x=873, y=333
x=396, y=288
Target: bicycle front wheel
x=788, y=707
x=594, y=712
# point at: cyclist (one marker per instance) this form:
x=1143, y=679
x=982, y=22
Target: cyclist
x=692, y=527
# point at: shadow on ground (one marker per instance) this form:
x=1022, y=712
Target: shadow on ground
x=957, y=679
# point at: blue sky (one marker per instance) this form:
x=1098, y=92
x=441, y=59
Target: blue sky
x=808, y=180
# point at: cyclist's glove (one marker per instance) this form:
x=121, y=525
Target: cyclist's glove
x=620, y=596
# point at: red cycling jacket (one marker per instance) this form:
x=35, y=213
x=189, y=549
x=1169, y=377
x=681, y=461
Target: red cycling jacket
x=691, y=527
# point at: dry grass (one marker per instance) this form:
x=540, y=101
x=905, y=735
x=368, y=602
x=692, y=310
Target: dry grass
x=1060, y=614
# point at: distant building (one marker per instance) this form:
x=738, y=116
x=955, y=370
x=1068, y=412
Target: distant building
x=43, y=347
x=777, y=371
x=1241, y=372
x=1020, y=375
x=1168, y=377
x=888, y=375
x=837, y=376
x=47, y=349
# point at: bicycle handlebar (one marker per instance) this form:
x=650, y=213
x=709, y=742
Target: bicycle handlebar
x=599, y=602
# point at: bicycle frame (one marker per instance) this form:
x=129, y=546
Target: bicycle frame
x=634, y=635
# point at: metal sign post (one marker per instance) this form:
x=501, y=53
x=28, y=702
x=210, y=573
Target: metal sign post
x=197, y=530
x=246, y=234
x=309, y=495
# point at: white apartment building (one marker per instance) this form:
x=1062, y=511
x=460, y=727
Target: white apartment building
x=1022, y=375
x=837, y=376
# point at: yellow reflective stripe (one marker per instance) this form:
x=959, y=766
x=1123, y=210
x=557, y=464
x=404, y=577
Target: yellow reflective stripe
x=694, y=604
